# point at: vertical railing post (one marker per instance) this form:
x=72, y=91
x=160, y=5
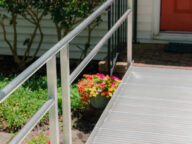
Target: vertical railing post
x=109, y=42
x=118, y=16
x=130, y=3
x=129, y=38
x=52, y=92
x=66, y=104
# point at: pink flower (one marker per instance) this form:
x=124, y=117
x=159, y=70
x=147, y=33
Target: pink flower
x=99, y=90
x=114, y=77
x=37, y=134
x=48, y=133
x=49, y=142
x=101, y=77
x=102, y=85
x=113, y=83
x=98, y=74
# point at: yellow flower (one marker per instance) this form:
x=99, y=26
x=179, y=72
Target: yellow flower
x=93, y=94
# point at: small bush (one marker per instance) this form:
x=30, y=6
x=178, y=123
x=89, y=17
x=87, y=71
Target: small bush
x=26, y=100
x=76, y=102
x=20, y=106
x=38, y=139
x=36, y=83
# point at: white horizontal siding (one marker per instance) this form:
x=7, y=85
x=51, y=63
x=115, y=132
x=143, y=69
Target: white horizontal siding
x=144, y=32
x=145, y=20
x=25, y=29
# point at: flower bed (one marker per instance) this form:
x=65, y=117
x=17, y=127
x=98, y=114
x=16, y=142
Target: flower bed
x=38, y=139
x=97, y=89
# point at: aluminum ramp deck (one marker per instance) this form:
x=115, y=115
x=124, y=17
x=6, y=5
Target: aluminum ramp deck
x=151, y=106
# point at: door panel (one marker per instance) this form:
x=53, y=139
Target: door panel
x=176, y=15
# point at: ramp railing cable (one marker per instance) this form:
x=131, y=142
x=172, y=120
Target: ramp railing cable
x=49, y=58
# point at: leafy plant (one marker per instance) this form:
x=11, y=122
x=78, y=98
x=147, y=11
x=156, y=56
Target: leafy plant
x=76, y=102
x=68, y=13
x=38, y=139
x=65, y=14
x=20, y=106
x=33, y=13
x=91, y=27
x=36, y=83
x=26, y=100
x=97, y=84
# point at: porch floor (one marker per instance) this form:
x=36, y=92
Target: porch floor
x=151, y=106
x=154, y=55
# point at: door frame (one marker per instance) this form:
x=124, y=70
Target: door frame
x=168, y=36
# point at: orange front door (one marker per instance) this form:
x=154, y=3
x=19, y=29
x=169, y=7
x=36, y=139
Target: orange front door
x=176, y=15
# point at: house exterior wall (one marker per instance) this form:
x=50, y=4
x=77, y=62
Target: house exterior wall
x=148, y=25
x=147, y=32
x=145, y=21
x=50, y=38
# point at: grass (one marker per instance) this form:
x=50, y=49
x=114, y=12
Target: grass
x=26, y=100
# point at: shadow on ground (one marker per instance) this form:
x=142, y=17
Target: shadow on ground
x=86, y=119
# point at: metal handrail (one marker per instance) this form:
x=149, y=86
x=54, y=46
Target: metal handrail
x=99, y=45
x=20, y=79
x=33, y=121
x=49, y=58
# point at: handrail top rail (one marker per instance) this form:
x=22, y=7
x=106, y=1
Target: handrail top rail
x=99, y=45
x=26, y=74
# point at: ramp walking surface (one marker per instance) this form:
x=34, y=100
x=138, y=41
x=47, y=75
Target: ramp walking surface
x=151, y=106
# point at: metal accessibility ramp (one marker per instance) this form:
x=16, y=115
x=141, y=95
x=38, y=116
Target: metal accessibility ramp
x=151, y=106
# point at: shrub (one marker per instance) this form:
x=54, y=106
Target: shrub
x=38, y=139
x=26, y=100
x=65, y=14
x=32, y=12
x=76, y=102
x=20, y=106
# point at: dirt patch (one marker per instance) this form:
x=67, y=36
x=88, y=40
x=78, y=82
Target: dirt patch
x=83, y=122
x=78, y=137
x=5, y=137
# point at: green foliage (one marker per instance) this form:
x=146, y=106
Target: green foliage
x=38, y=139
x=64, y=11
x=76, y=102
x=3, y=81
x=67, y=13
x=32, y=11
x=20, y=106
x=75, y=99
x=36, y=83
x=26, y=100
